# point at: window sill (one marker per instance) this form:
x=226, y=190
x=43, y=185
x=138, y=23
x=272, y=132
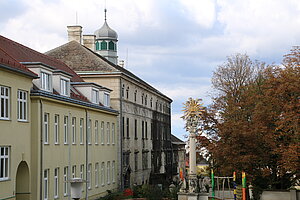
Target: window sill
x=46, y=143
x=6, y=179
x=5, y=119
x=23, y=121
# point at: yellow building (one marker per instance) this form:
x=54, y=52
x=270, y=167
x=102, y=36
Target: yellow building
x=72, y=131
x=15, y=128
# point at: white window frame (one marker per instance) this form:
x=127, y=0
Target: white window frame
x=106, y=99
x=64, y=87
x=113, y=176
x=96, y=175
x=95, y=96
x=89, y=133
x=22, y=105
x=102, y=173
x=81, y=130
x=45, y=81
x=96, y=132
x=74, y=171
x=66, y=172
x=56, y=129
x=108, y=172
x=5, y=97
x=46, y=128
x=4, y=158
x=113, y=133
x=56, y=183
x=66, y=121
x=82, y=174
x=46, y=184
x=73, y=130
x=108, y=133
x=89, y=176
x=102, y=132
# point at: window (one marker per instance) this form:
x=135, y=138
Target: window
x=143, y=128
x=74, y=130
x=127, y=128
x=89, y=132
x=89, y=176
x=64, y=87
x=108, y=133
x=135, y=129
x=146, y=130
x=103, y=45
x=142, y=97
x=135, y=161
x=95, y=96
x=151, y=102
x=22, y=105
x=108, y=172
x=102, y=174
x=46, y=81
x=102, y=132
x=96, y=175
x=46, y=128
x=123, y=127
x=146, y=100
x=66, y=175
x=4, y=102
x=106, y=99
x=66, y=119
x=82, y=174
x=113, y=134
x=96, y=132
x=56, y=129
x=135, y=93
x=46, y=184
x=145, y=160
x=4, y=163
x=127, y=92
x=97, y=45
x=73, y=171
x=56, y=183
x=111, y=45
x=122, y=91
x=81, y=124
x=113, y=176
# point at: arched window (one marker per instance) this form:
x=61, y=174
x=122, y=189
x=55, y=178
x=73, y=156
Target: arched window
x=97, y=46
x=103, y=45
x=111, y=45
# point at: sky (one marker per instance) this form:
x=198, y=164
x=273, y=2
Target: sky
x=175, y=45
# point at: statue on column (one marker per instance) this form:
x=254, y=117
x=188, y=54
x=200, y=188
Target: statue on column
x=193, y=111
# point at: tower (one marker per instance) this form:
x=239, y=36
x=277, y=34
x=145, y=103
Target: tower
x=106, y=42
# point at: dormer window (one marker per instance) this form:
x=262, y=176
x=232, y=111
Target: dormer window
x=106, y=100
x=46, y=81
x=64, y=87
x=95, y=96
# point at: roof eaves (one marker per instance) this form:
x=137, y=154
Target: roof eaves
x=30, y=74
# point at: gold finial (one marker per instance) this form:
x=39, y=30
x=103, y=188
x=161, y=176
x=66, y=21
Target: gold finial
x=193, y=108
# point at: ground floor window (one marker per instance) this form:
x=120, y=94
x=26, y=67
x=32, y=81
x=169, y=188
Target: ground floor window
x=4, y=163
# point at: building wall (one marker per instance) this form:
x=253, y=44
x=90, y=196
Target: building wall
x=155, y=113
x=15, y=134
x=51, y=155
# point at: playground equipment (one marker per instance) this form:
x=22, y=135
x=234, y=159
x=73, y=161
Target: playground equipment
x=227, y=187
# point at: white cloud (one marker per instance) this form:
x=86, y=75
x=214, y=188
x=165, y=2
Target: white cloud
x=203, y=12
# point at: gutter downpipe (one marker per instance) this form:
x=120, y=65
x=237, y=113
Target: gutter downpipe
x=86, y=153
x=121, y=137
x=69, y=148
x=41, y=155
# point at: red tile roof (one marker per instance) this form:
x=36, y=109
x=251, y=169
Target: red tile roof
x=22, y=53
x=7, y=60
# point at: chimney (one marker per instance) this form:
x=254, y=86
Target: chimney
x=89, y=41
x=121, y=63
x=74, y=33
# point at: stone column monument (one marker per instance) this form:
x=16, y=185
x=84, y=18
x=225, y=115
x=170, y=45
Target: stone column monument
x=193, y=111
